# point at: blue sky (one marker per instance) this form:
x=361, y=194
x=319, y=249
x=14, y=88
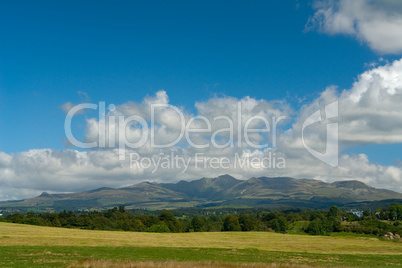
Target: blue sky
x=124, y=51
x=54, y=52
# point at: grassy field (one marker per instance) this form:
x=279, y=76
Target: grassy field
x=34, y=246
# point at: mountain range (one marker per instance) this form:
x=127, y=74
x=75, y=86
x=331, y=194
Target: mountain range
x=224, y=190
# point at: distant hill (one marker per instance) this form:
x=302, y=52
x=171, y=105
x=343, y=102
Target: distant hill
x=211, y=192
x=205, y=188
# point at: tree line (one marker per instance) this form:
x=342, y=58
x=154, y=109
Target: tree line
x=315, y=222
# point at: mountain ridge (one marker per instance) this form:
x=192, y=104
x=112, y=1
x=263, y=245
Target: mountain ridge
x=223, y=190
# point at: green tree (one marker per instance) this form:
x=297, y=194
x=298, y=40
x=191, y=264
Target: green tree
x=170, y=220
x=158, y=228
x=231, y=223
x=122, y=209
x=196, y=224
x=275, y=225
x=15, y=218
x=283, y=224
x=395, y=212
x=246, y=223
x=315, y=228
x=333, y=212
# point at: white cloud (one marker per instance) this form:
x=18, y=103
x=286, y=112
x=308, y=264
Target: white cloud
x=66, y=107
x=370, y=112
x=68, y=171
x=378, y=23
x=168, y=125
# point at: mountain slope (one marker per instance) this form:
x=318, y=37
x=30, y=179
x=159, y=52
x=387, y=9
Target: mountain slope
x=205, y=188
x=142, y=193
x=303, y=192
x=220, y=191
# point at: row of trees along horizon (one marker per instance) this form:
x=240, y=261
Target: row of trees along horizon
x=313, y=222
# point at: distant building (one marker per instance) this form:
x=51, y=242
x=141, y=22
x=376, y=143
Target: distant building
x=356, y=212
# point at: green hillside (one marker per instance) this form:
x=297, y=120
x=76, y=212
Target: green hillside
x=220, y=191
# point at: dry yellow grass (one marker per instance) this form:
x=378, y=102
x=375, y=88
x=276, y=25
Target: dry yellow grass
x=18, y=234
x=89, y=263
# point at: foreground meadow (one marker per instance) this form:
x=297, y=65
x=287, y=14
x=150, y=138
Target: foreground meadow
x=35, y=246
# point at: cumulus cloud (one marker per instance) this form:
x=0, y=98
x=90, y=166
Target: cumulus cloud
x=369, y=113
x=165, y=124
x=378, y=23
x=32, y=172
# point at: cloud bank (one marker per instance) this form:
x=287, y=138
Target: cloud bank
x=369, y=113
x=377, y=23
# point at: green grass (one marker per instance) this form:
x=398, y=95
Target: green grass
x=345, y=234
x=35, y=246
x=298, y=226
x=62, y=256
